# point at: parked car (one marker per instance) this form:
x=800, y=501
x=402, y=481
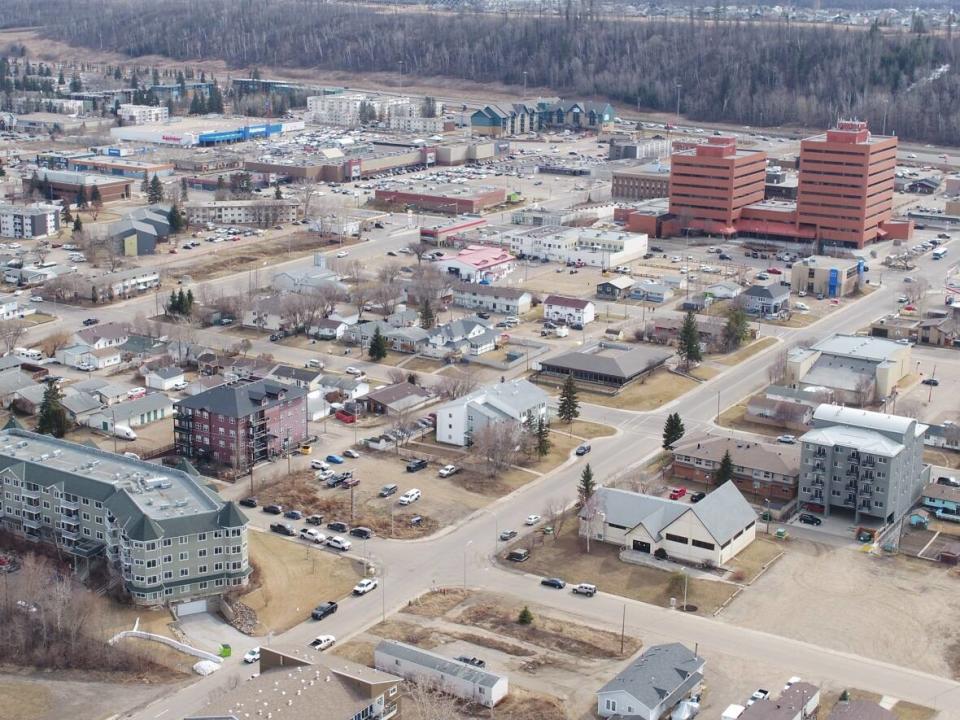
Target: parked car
x=283, y=529
x=932, y=382
x=518, y=555
x=678, y=492
x=416, y=465
x=448, y=470
x=250, y=502
x=335, y=459
x=273, y=509
x=387, y=490
x=252, y=655
x=351, y=453
x=364, y=533
x=585, y=589
x=338, y=543
x=351, y=370
x=293, y=515
x=324, y=475
x=583, y=449
x=508, y=535
x=410, y=496
x=949, y=481
x=364, y=586
x=312, y=535
x=349, y=482
x=787, y=439
x=475, y=662
x=90, y=321
x=758, y=695
x=555, y=583
x=323, y=642
x=532, y=520
x=697, y=497
x=319, y=464
x=315, y=519
x=808, y=519
x=136, y=392
x=337, y=526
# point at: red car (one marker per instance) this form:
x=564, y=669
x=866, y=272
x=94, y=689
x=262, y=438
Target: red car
x=678, y=493
x=775, y=271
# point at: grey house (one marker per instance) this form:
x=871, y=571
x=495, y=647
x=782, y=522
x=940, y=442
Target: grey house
x=766, y=299
x=653, y=684
x=861, y=464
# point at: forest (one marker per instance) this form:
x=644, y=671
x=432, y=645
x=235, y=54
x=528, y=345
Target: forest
x=758, y=74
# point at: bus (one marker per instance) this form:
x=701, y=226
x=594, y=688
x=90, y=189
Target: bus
x=939, y=253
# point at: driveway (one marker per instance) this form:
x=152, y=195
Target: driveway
x=207, y=631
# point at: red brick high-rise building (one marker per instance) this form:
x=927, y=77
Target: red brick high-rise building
x=711, y=183
x=846, y=184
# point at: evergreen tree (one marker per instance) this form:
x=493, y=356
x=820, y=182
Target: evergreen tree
x=77, y=224
x=81, y=200
x=188, y=308
x=215, y=100
x=184, y=189
x=197, y=105
x=181, y=302
x=52, y=418
x=75, y=84
x=155, y=193
x=725, y=471
x=378, y=346
x=61, y=80
x=673, y=430
x=66, y=217
x=427, y=318
x=525, y=617
x=176, y=219
x=277, y=192
x=145, y=185
x=543, y=438
x=172, y=306
x=568, y=409
x=735, y=331
x=688, y=342
x=587, y=486
x=221, y=184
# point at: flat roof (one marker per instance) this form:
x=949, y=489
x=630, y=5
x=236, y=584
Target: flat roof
x=444, y=189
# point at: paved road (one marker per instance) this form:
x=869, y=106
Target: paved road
x=463, y=554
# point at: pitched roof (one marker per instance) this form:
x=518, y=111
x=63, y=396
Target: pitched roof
x=772, y=457
x=301, y=374
x=239, y=400
x=622, y=282
x=511, y=293
x=626, y=364
x=661, y=673
x=867, y=441
x=167, y=373
x=765, y=292
x=108, y=331
x=570, y=302
x=399, y=395
x=424, y=658
x=860, y=710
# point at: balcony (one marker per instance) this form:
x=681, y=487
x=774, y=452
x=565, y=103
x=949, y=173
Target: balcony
x=389, y=711
x=30, y=494
x=70, y=535
x=31, y=522
x=69, y=505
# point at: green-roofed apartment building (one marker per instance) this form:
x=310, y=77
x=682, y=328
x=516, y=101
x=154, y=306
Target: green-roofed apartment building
x=163, y=531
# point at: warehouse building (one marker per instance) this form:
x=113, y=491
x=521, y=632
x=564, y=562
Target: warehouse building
x=29, y=221
x=204, y=132
x=121, y=168
x=143, y=114
x=68, y=185
x=452, y=199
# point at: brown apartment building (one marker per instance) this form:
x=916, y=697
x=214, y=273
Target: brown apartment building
x=642, y=182
x=712, y=182
x=760, y=470
x=846, y=184
x=240, y=424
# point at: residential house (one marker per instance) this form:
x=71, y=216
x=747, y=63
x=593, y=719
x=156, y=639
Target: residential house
x=492, y=298
x=121, y=284
x=241, y=424
x=798, y=701
x=465, y=337
x=519, y=402
x=713, y=530
x=87, y=512
x=28, y=399
x=767, y=471
x=946, y=436
x=398, y=399
x=779, y=413
x=453, y=677
x=301, y=377
x=652, y=292
x=133, y=413
x=140, y=231
x=79, y=405
x=409, y=339
x=108, y=335
x=478, y=263
x=698, y=302
x=666, y=330
x=723, y=290
x=269, y=313
x=608, y=364
x=653, y=684
x=864, y=465
x=328, y=329
x=12, y=381
x=498, y=120
x=163, y=378
x=108, y=393
x=403, y=318
x=942, y=499
x=576, y=115
x=766, y=300
x=859, y=369
x=288, y=685
x=571, y=311
x=86, y=357
x=312, y=279
x=11, y=308
x=615, y=288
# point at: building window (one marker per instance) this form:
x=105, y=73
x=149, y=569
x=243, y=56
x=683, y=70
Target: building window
x=184, y=572
x=677, y=539
x=703, y=545
x=184, y=556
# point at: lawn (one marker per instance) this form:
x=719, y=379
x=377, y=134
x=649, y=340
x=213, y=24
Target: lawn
x=422, y=364
x=650, y=393
x=38, y=318
x=757, y=556
x=746, y=352
x=25, y=700
x=565, y=557
x=294, y=578
x=703, y=372
x=735, y=417
x=583, y=429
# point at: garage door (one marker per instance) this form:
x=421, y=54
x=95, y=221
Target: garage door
x=191, y=608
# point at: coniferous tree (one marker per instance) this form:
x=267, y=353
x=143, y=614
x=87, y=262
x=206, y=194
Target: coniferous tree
x=172, y=307
x=725, y=471
x=277, y=192
x=188, y=308
x=587, y=486
x=184, y=189
x=52, y=418
x=543, y=438
x=427, y=318
x=145, y=185
x=155, y=192
x=673, y=430
x=176, y=219
x=77, y=224
x=735, y=331
x=181, y=302
x=568, y=409
x=378, y=346
x=688, y=342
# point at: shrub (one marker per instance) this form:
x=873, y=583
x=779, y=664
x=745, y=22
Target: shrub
x=525, y=617
x=660, y=554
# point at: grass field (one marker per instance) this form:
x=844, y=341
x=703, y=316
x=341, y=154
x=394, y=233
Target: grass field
x=746, y=352
x=654, y=391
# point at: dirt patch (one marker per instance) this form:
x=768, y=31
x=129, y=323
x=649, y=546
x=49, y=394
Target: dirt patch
x=294, y=578
x=910, y=711
x=735, y=417
x=758, y=555
x=358, y=651
x=747, y=352
x=424, y=365
x=942, y=458
x=520, y=705
x=408, y=633
x=548, y=632
x=654, y=391
x=494, y=644
x=584, y=429
x=437, y=603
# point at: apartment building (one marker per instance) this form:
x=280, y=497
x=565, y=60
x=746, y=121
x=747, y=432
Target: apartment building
x=711, y=183
x=506, y=300
x=517, y=401
x=846, y=184
x=29, y=221
x=143, y=114
x=569, y=310
x=354, y=109
x=241, y=424
x=162, y=531
x=861, y=464
x=767, y=471
x=263, y=212
x=642, y=182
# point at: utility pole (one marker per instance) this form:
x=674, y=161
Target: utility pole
x=678, y=102
x=623, y=627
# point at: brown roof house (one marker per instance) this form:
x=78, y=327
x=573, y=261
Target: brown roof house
x=396, y=399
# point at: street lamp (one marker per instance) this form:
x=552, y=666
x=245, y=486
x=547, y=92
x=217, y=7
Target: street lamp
x=685, y=577
x=468, y=544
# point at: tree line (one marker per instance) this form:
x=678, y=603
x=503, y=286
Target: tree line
x=759, y=74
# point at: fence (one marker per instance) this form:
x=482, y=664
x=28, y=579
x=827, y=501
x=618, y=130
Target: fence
x=170, y=642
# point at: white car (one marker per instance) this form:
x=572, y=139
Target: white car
x=313, y=535
x=351, y=370
x=448, y=470
x=532, y=520
x=801, y=306
x=318, y=465
x=338, y=543
x=410, y=496
x=342, y=254
x=787, y=439
x=36, y=298
x=182, y=385
x=136, y=392
x=676, y=259
x=325, y=474
x=252, y=656
x=364, y=586
x=322, y=642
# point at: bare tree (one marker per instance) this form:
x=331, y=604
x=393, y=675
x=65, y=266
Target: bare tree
x=41, y=251
x=556, y=514
x=360, y=296
x=389, y=273
x=427, y=701
x=910, y=408
x=497, y=445
x=66, y=288
x=777, y=370
x=385, y=296
x=456, y=384
x=55, y=341
x=916, y=291
x=420, y=249
x=396, y=375
x=354, y=269
x=10, y=333
x=183, y=334
x=864, y=391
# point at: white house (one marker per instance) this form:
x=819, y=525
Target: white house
x=514, y=401
x=85, y=357
x=653, y=684
x=267, y=313
x=713, y=530
x=572, y=311
x=133, y=413
x=723, y=290
x=163, y=378
x=770, y=299
x=452, y=677
x=594, y=247
x=506, y=300
x=103, y=336
x=328, y=329
x=478, y=263
x=10, y=309
x=469, y=337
